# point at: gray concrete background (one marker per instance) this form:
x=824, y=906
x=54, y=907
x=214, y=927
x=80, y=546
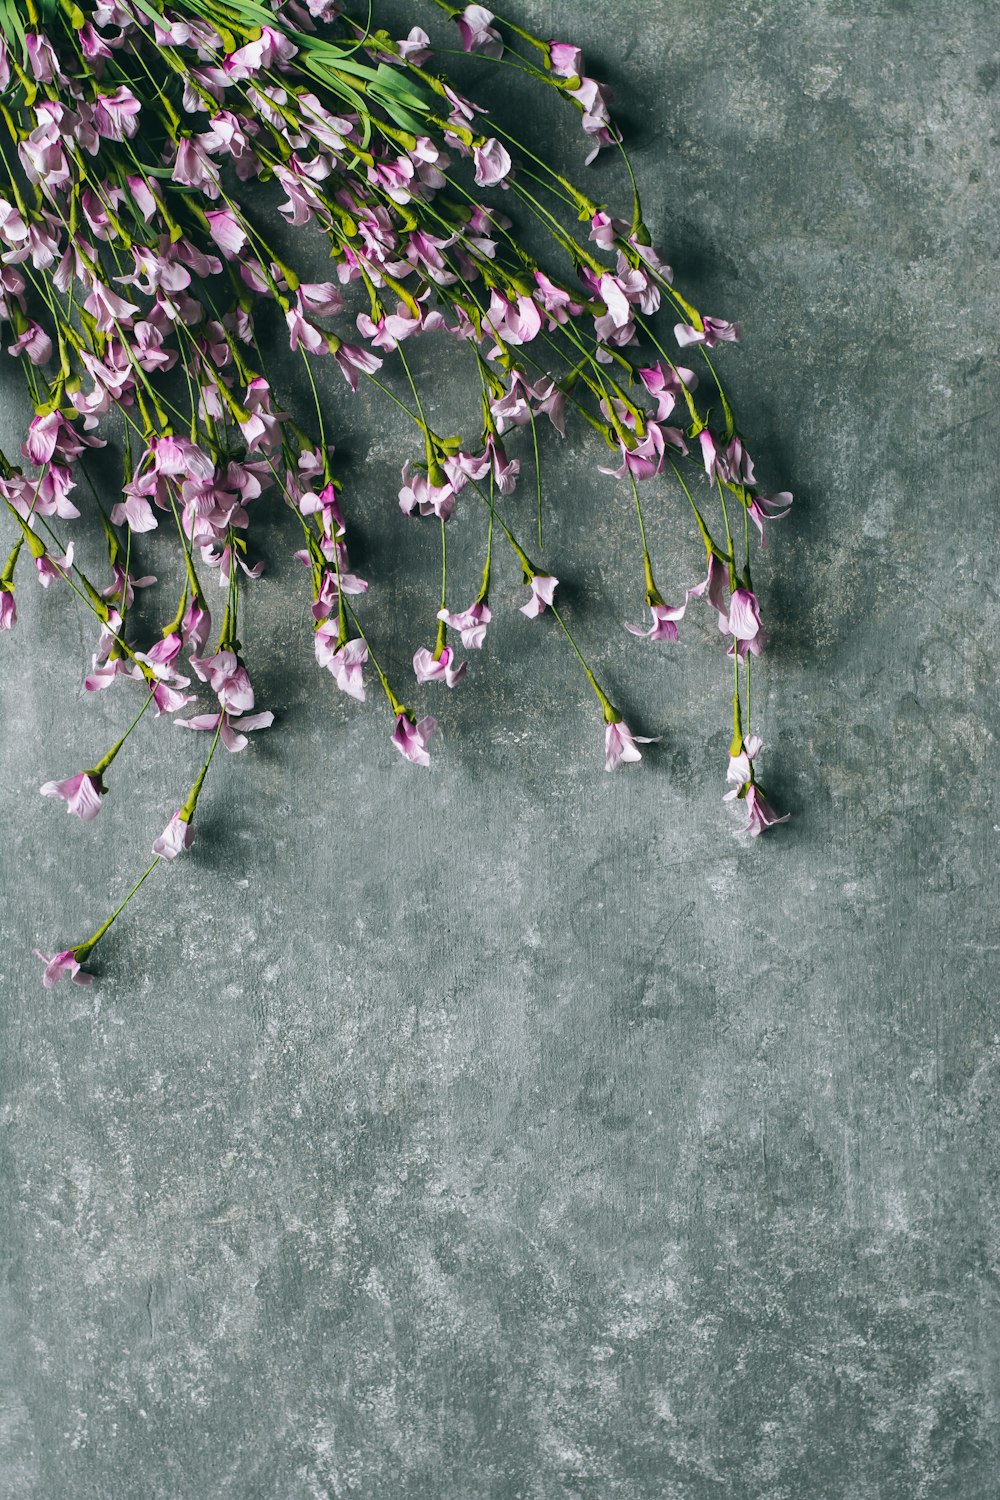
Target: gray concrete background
x=513, y=1130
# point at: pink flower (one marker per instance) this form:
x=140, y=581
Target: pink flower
x=51, y=568
x=419, y=494
x=415, y=48
x=715, y=331
x=62, y=966
x=665, y=386
x=410, y=738
x=429, y=668
x=477, y=33
x=762, y=508
x=492, y=163
x=226, y=231
x=116, y=116
x=740, y=776
x=664, y=626
x=354, y=362
x=567, y=60
x=744, y=615
x=231, y=733
x=228, y=678
x=543, y=588
x=621, y=746
x=713, y=586
x=8, y=609
x=471, y=623
x=344, y=662
x=196, y=625
x=175, y=838
x=81, y=793
x=35, y=343
x=760, y=813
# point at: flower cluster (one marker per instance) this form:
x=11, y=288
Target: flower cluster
x=133, y=275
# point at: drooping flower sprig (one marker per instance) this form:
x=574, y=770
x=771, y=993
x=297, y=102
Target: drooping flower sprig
x=133, y=273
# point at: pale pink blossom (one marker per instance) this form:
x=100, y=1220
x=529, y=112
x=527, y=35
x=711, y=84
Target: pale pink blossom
x=345, y=662
x=714, y=331
x=8, y=609
x=543, y=588
x=744, y=615
x=418, y=494
x=228, y=679
x=744, y=788
x=621, y=746
x=81, y=793
x=415, y=47
x=411, y=739
x=430, y=668
x=471, y=623
x=477, y=33
x=493, y=163
x=664, y=626
x=62, y=966
x=231, y=732
x=566, y=60
x=764, y=508
x=175, y=838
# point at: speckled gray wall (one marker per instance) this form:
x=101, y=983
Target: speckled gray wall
x=516, y=1131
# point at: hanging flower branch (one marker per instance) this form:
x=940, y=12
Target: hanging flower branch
x=130, y=278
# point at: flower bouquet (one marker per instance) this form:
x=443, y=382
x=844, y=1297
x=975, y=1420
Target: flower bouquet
x=147, y=151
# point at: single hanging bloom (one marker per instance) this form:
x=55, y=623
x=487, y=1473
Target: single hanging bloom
x=543, y=588
x=81, y=793
x=477, y=33
x=621, y=746
x=443, y=668
x=715, y=331
x=410, y=738
x=664, y=626
x=740, y=776
x=61, y=966
x=175, y=838
x=471, y=623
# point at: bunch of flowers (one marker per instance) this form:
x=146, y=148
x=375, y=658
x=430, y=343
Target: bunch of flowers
x=131, y=274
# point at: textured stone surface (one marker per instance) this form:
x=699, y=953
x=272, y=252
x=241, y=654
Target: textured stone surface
x=513, y=1130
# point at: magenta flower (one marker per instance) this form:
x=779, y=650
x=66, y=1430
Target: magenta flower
x=429, y=668
x=471, y=623
x=8, y=609
x=621, y=746
x=760, y=813
x=410, y=738
x=61, y=966
x=543, y=588
x=175, y=838
x=35, y=343
x=81, y=793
